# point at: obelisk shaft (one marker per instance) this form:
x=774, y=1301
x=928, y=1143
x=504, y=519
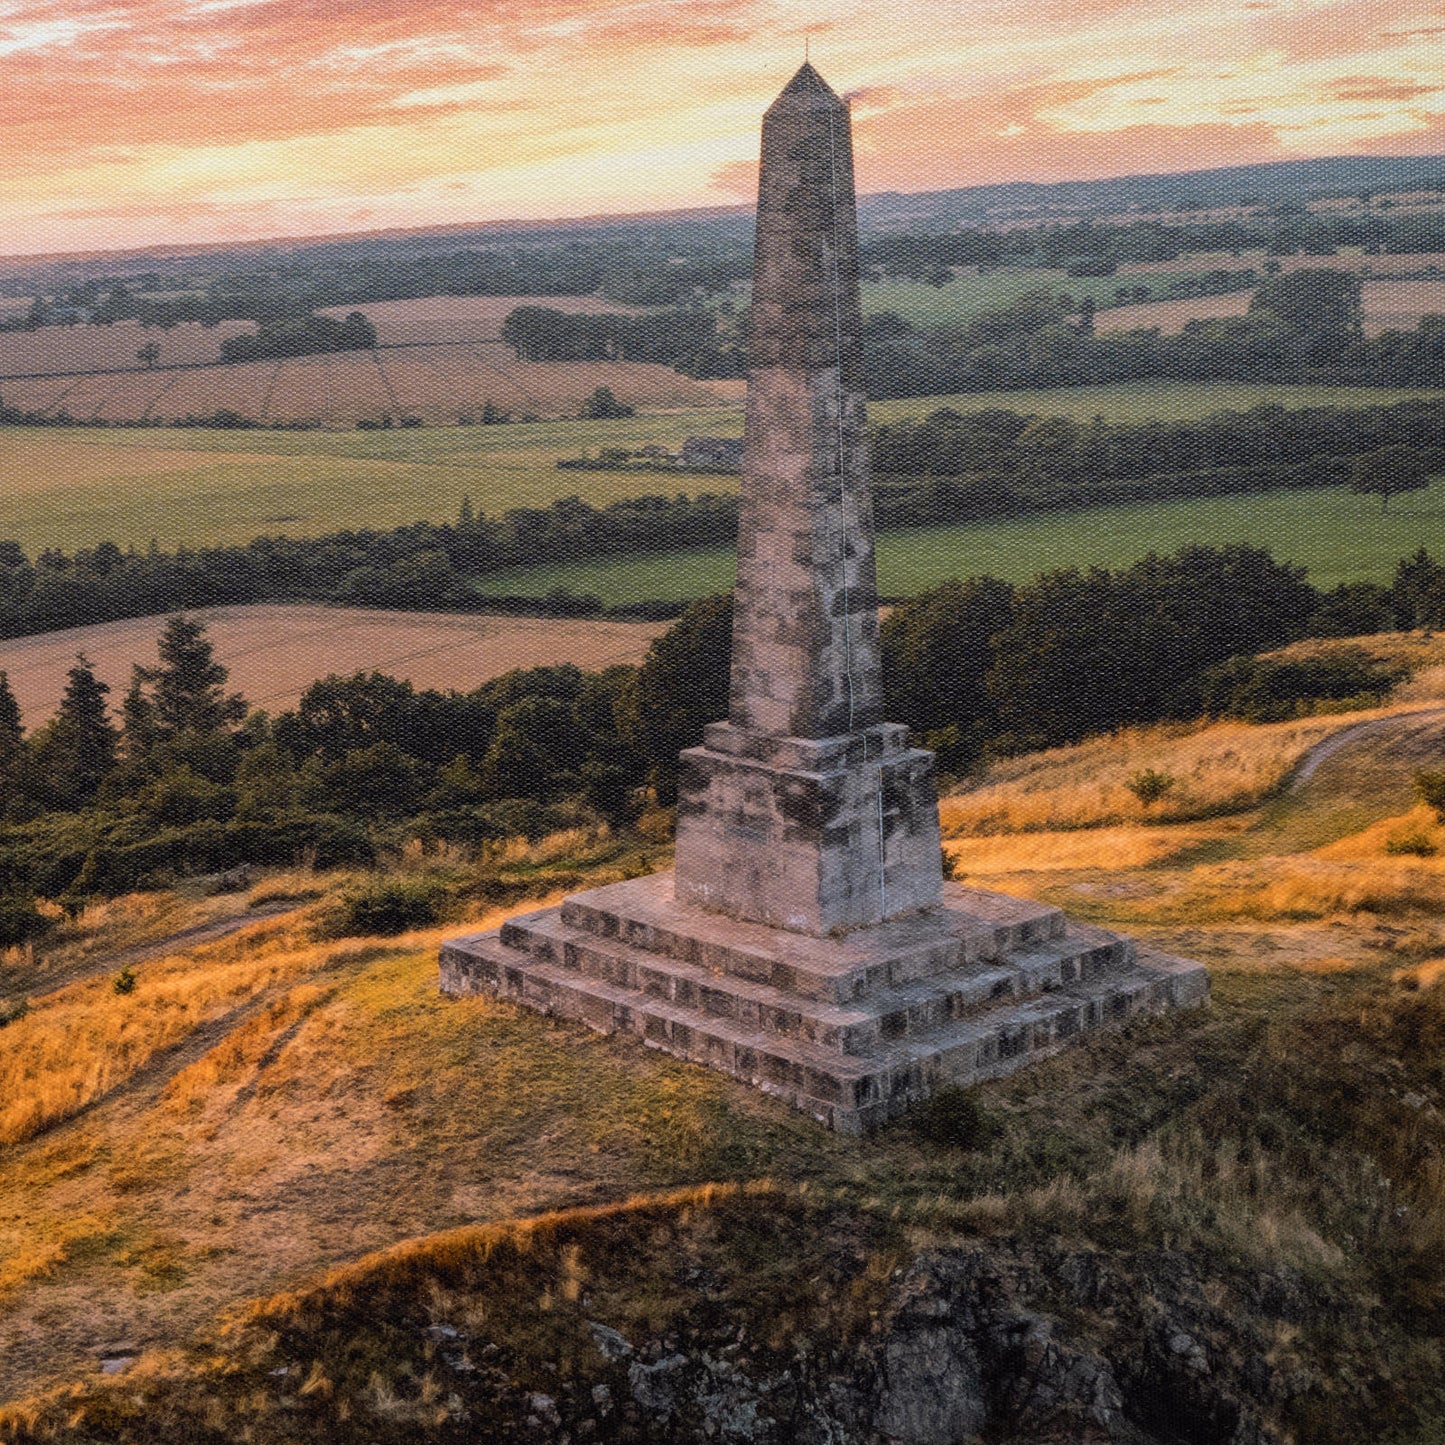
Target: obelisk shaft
x=805, y=810
x=805, y=632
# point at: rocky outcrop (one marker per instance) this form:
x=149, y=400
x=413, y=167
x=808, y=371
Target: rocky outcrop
x=1037, y=1346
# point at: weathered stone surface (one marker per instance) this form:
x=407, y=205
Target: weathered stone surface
x=805, y=810
x=806, y=943
x=853, y=1030
x=810, y=850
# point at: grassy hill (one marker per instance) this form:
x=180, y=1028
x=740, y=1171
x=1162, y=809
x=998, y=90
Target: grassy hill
x=276, y=1102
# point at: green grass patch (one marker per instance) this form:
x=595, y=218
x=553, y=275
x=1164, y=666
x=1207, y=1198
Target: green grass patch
x=1337, y=536
x=967, y=296
x=74, y=487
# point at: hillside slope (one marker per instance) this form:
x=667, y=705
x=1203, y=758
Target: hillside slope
x=1225, y=1226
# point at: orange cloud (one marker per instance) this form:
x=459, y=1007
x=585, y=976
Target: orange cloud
x=1379, y=87
x=1005, y=138
x=215, y=117
x=737, y=179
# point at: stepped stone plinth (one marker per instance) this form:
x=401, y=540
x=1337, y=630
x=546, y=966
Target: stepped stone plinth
x=806, y=942
x=854, y=1029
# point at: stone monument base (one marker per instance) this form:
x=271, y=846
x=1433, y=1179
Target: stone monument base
x=852, y=1029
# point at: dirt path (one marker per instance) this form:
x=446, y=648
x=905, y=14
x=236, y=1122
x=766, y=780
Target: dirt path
x=35, y=983
x=1322, y=752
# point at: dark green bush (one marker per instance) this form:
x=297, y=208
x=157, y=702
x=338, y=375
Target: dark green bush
x=955, y=1118
x=383, y=906
x=1430, y=789
x=20, y=920
x=1272, y=689
x=1149, y=786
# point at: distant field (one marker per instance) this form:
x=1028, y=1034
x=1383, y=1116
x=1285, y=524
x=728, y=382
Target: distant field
x=1141, y=400
x=1389, y=265
x=80, y=349
x=76, y=487
x=457, y=367
x=443, y=385
x=72, y=487
x=459, y=318
x=1337, y=536
x=1387, y=305
x=965, y=296
x=275, y=652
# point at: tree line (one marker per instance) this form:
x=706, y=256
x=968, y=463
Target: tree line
x=950, y=467
x=1285, y=230
x=1301, y=326
x=300, y=336
x=688, y=339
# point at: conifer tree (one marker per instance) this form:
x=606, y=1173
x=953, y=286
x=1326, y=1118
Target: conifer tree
x=12, y=732
x=12, y=748
x=188, y=688
x=85, y=738
x=138, y=719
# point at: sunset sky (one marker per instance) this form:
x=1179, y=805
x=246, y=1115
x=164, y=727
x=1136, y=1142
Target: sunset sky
x=128, y=122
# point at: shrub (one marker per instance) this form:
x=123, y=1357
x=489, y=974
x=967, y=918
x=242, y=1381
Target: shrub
x=383, y=906
x=1430, y=789
x=20, y=920
x=1149, y=786
x=1415, y=844
x=1275, y=689
x=955, y=1118
x=124, y=982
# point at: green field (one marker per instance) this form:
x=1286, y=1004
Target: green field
x=1336, y=535
x=966, y=296
x=73, y=487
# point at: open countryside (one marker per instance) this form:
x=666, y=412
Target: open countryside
x=1336, y=535
x=77, y=487
x=274, y=652
x=1387, y=305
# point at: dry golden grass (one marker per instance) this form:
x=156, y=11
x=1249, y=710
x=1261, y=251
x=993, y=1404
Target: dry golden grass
x=1407, y=834
x=1290, y=889
x=1217, y=768
x=414, y=1259
x=1126, y=846
x=78, y=1043
x=243, y=1050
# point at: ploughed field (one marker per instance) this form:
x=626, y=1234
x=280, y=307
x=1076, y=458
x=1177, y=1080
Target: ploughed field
x=75, y=487
x=441, y=384
x=440, y=359
x=275, y=651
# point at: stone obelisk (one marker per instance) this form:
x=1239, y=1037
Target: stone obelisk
x=805, y=942
x=804, y=809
